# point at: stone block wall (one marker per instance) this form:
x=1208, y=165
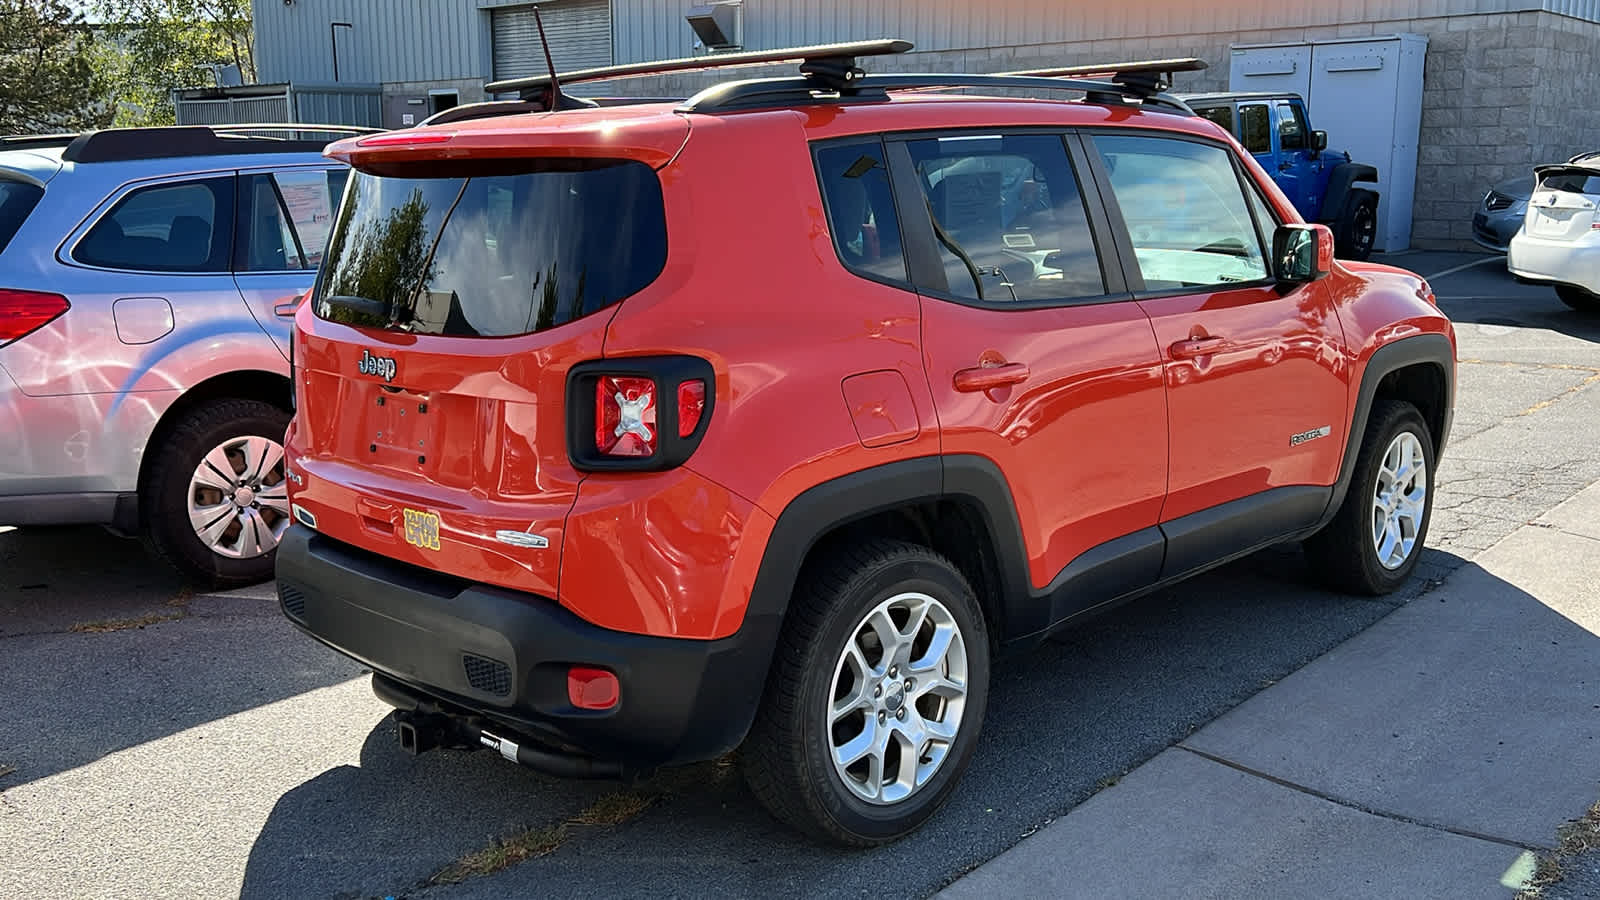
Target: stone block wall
x=1501, y=92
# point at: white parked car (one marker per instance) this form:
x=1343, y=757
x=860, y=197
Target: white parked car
x=1559, y=243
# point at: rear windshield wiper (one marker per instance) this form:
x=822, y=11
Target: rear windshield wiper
x=362, y=305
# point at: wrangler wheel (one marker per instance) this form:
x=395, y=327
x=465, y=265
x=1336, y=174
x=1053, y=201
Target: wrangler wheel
x=875, y=698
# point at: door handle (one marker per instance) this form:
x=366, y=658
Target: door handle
x=1193, y=347
x=987, y=378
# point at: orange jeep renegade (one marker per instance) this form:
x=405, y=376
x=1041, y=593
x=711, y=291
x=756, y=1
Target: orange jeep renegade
x=631, y=433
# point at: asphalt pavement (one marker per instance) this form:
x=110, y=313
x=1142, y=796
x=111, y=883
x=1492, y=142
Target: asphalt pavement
x=163, y=743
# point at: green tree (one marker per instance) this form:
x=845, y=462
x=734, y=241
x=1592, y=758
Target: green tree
x=154, y=46
x=47, y=78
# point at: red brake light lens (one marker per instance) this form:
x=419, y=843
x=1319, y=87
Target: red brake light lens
x=406, y=138
x=691, y=405
x=625, y=416
x=24, y=312
x=590, y=688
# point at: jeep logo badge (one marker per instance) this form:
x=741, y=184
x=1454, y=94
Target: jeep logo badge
x=381, y=366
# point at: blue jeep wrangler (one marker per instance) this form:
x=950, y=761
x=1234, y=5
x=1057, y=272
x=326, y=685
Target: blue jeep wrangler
x=1321, y=183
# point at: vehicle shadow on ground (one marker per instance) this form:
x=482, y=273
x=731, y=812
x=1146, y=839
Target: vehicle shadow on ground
x=1064, y=721
x=102, y=649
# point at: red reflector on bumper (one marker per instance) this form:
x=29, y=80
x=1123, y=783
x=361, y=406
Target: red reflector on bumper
x=592, y=688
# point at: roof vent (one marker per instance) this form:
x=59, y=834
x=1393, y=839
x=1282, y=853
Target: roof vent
x=717, y=24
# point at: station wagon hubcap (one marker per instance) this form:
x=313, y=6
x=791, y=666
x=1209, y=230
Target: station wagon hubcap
x=1399, y=500
x=238, y=500
x=899, y=690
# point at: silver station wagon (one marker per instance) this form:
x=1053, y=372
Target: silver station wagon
x=147, y=276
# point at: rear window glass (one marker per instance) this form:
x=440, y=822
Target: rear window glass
x=493, y=253
x=1222, y=115
x=1571, y=183
x=17, y=199
x=179, y=227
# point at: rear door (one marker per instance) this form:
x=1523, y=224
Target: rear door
x=1037, y=357
x=284, y=218
x=1563, y=205
x=453, y=300
x=1256, y=391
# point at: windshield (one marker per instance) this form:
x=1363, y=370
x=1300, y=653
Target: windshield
x=493, y=252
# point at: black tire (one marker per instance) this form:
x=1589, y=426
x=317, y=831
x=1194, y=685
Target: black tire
x=1578, y=299
x=1356, y=229
x=1343, y=552
x=787, y=757
x=163, y=499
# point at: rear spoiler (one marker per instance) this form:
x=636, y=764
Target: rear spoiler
x=1585, y=169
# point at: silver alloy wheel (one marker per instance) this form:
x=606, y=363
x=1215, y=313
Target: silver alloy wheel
x=1399, y=500
x=238, y=499
x=899, y=691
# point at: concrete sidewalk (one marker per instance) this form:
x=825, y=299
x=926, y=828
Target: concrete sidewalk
x=1423, y=758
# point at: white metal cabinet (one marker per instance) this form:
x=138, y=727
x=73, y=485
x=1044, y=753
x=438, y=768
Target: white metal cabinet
x=1366, y=93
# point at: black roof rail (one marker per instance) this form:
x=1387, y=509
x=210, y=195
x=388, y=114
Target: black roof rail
x=735, y=95
x=165, y=142
x=1150, y=75
x=829, y=64
x=23, y=141
x=489, y=108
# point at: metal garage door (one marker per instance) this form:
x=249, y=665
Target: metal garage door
x=579, y=32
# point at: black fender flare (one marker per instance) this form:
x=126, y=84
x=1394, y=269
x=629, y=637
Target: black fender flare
x=1432, y=349
x=821, y=509
x=1341, y=182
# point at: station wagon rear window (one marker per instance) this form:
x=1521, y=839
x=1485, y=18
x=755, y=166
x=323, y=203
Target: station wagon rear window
x=493, y=252
x=17, y=200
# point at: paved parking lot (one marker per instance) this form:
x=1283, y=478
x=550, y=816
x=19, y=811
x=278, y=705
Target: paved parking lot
x=160, y=743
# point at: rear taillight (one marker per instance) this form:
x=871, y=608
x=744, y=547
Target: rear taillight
x=625, y=417
x=24, y=312
x=645, y=413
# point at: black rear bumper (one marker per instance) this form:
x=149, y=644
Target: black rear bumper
x=501, y=655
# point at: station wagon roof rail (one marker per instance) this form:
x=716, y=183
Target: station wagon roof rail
x=167, y=142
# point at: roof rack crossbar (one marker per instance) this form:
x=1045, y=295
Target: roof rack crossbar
x=1153, y=76
x=827, y=63
x=758, y=92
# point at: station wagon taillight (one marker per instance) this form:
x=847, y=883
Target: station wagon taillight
x=24, y=312
x=640, y=414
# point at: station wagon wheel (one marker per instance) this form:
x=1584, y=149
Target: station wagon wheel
x=877, y=691
x=214, y=501
x=238, y=498
x=1373, y=543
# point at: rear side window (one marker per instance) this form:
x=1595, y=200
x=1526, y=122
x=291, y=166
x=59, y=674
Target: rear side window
x=1255, y=128
x=1008, y=217
x=182, y=227
x=17, y=200
x=860, y=205
x=1186, y=213
x=289, y=218
x=1222, y=115
x=493, y=252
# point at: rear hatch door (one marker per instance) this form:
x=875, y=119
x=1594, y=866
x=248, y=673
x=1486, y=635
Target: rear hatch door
x=1563, y=204
x=453, y=299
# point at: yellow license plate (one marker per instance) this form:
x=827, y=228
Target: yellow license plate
x=422, y=529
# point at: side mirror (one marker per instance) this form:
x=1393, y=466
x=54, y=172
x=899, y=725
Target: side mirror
x=1319, y=141
x=1302, y=254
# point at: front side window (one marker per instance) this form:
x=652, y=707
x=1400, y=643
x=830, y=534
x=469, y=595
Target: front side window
x=290, y=217
x=492, y=249
x=182, y=227
x=1291, y=127
x=1255, y=128
x=1186, y=213
x=860, y=206
x=1008, y=217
